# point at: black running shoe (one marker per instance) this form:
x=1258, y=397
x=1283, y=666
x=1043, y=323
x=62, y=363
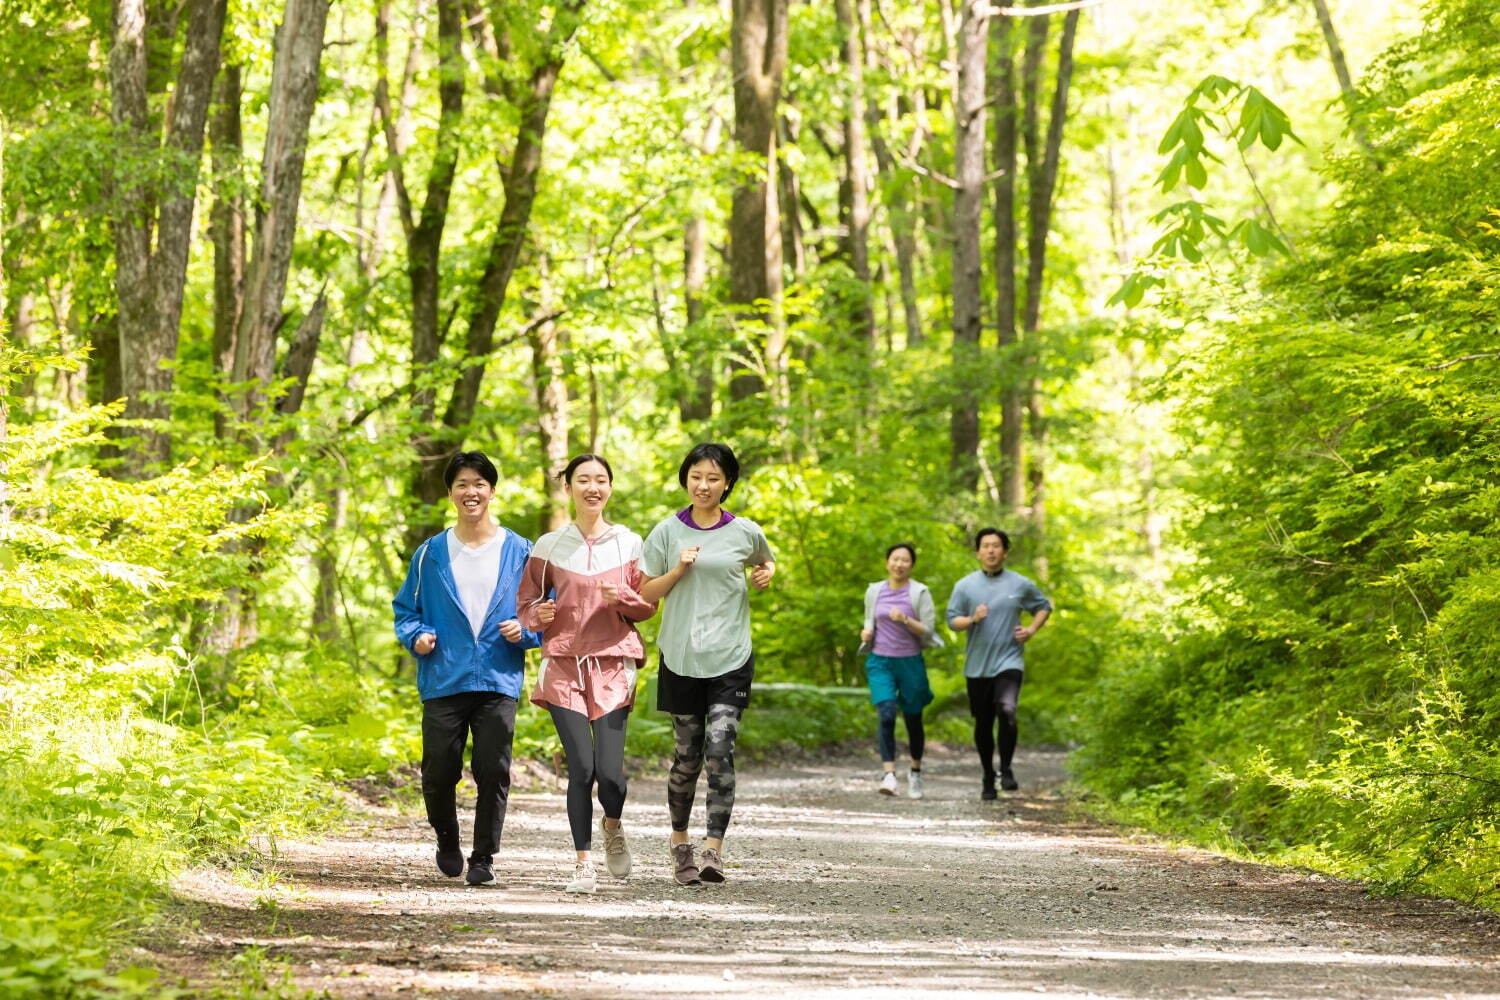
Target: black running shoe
x=450, y=861
x=1008, y=780
x=480, y=872
x=987, y=793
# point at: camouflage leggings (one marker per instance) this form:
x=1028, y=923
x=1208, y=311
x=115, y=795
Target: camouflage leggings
x=701, y=738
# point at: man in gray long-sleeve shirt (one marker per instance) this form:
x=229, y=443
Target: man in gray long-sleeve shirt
x=987, y=604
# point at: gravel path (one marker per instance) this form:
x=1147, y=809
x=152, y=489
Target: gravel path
x=834, y=891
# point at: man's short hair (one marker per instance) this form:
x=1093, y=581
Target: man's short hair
x=1004, y=538
x=475, y=460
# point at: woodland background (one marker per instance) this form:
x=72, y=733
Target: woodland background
x=1199, y=301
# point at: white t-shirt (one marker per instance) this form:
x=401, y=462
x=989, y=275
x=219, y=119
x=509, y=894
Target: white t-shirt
x=476, y=571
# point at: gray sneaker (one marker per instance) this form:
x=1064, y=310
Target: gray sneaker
x=684, y=868
x=712, y=869
x=616, y=854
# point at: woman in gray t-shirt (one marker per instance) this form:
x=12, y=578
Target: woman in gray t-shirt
x=694, y=561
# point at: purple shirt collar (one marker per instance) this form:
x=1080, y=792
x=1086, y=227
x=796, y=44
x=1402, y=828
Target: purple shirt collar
x=685, y=515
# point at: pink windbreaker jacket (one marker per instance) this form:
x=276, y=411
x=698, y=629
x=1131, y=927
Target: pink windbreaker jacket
x=571, y=568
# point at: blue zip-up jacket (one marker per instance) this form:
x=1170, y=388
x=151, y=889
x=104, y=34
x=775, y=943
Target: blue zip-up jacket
x=428, y=602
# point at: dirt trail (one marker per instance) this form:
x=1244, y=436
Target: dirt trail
x=834, y=891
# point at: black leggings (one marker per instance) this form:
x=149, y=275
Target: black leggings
x=595, y=752
x=992, y=700
x=885, y=736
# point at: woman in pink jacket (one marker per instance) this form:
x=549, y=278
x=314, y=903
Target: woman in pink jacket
x=580, y=591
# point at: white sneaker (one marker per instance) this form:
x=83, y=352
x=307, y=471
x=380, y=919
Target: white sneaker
x=616, y=854
x=584, y=879
x=888, y=783
x=914, y=784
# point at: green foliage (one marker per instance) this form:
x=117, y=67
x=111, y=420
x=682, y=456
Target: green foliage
x=124, y=755
x=1330, y=696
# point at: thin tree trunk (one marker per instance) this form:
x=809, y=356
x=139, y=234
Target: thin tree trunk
x=1003, y=85
x=424, y=235
x=520, y=183
x=1043, y=182
x=899, y=216
x=1042, y=171
x=698, y=397
x=968, y=156
x=758, y=55
x=857, y=177
x=1346, y=81
x=793, y=248
x=153, y=229
x=294, y=92
x=227, y=227
x=552, y=414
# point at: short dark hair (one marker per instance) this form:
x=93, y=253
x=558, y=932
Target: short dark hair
x=566, y=475
x=719, y=454
x=475, y=460
x=1004, y=538
x=903, y=545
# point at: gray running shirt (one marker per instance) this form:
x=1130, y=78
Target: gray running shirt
x=991, y=647
x=705, y=619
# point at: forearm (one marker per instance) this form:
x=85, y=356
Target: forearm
x=657, y=587
x=1039, y=619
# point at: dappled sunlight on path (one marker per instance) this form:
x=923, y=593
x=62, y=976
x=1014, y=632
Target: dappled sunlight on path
x=834, y=891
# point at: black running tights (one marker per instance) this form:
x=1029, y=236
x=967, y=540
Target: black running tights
x=595, y=753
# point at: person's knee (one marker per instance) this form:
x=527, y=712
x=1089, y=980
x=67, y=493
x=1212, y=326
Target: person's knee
x=886, y=710
x=581, y=772
x=1007, y=715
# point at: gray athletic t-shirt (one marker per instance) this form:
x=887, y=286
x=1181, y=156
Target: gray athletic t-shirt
x=992, y=648
x=705, y=619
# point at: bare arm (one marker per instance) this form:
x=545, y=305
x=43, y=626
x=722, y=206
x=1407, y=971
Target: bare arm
x=654, y=588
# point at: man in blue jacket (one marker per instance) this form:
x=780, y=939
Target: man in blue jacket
x=456, y=613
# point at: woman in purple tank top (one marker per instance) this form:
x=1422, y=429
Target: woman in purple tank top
x=900, y=622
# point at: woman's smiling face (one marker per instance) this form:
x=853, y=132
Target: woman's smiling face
x=706, y=484
x=590, y=487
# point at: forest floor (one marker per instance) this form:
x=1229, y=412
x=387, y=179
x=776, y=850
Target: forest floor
x=833, y=891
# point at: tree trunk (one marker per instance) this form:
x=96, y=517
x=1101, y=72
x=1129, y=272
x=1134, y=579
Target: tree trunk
x=424, y=236
x=697, y=402
x=1346, y=82
x=227, y=227
x=793, y=248
x=520, y=183
x=294, y=92
x=1003, y=88
x=153, y=229
x=898, y=213
x=1042, y=178
x=759, y=45
x=857, y=178
x=968, y=158
x=552, y=414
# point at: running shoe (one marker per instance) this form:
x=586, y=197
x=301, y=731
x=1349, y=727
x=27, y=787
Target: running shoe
x=914, y=784
x=987, y=790
x=888, y=783
x=480, y=872
x=450, y=857
x=711, y=868
x=684, y=868
x=616, y=854
x=1008, y=780
x=584, y=879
